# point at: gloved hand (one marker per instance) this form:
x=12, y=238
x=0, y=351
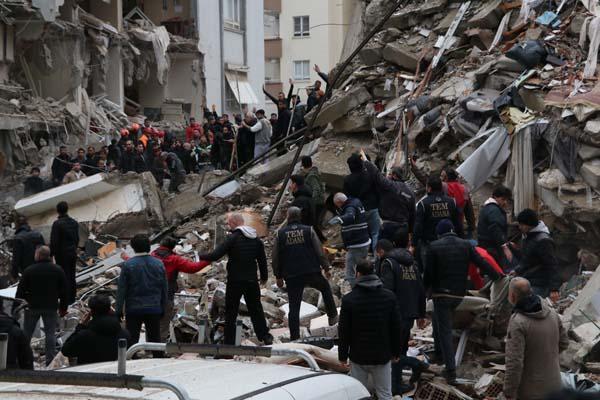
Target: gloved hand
x=335, y=221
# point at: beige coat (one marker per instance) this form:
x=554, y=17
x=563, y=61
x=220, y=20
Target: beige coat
x=534, y=341
x=71, y=176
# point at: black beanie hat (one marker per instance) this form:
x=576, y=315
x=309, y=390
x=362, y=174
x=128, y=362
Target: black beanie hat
x=528, y=217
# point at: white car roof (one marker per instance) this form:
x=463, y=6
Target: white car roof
x=204, y=379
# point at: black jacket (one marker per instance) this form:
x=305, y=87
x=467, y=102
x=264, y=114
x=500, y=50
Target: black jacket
x=396, y=199
x=96, y=342
x=304, y=201
x=140, y=162
x=430, y=211
x=363, y=186
x=245, y=251
x=114, y=154
x=64, y=238
x=369, y=326
x=537, y=259
x=447, y=265
x=33, y=185
x=19, y=354
x=283, y=123
x=25, y=242
x=127, y=162
x=398, y=272
x=60, y=166
x=492, y=227
x=297, y=251
x=44, y=287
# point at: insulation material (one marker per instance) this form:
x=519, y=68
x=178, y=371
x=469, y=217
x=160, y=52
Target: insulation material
x=519, y=175
x=527, y=8
x=592, y=59
x=486, y=160
x=592, y=6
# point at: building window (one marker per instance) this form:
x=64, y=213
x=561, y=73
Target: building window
x=271, y=22
x=301, y=26
x=302, y=70
x=272, y=70
x=232, y=10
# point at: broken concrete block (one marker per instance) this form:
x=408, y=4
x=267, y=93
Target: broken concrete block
x=587, y=301
x=488, y=16
x=482, y=38
x=371, y=55
x=592, y=127
x=508, y=64
x=576, y=24
x=414, y=14
x=332, y=156
x=590, y=171
x=588, y=152
x=307, y=312
x=454, y=88
x=353, y=123
x=401, y=56
x=274, y=170
x=340, y=104
x=320, y=327
x=500, y=81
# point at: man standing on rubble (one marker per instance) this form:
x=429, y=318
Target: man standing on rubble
x=445, y=280
x=25, y=243
x=74, y=174
x=140, y=160
x=355, y=232
x=44, y=287
x=298, y=258
x=303, y=199
x=33, y=184
x=492, y=227
x=174, y=264
x=127, y=163
x=312, y=180
x=360, y=184
x=176, y=171
x=263, y=131
x=432, y=209
x=397, y=270
x=537, y=259
x=396, y=202
x=369, y=329
x=535, y=338
x=60, y=166
x=64, y=240
x=246, y=252
x=142, y=291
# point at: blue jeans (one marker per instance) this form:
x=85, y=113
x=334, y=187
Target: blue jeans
x=353, y=255
x=374, y=223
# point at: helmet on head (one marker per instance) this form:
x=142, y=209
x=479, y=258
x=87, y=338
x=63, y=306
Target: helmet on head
x=135, y=126
x=124, y=132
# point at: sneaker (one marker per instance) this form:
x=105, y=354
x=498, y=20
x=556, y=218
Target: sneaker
x=333, y=320
x=268, y=339
x=450, y=377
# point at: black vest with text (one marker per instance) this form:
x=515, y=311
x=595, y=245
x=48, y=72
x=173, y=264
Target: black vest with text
x=297, y=255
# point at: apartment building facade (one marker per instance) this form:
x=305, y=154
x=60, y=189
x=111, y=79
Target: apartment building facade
x=300, y=35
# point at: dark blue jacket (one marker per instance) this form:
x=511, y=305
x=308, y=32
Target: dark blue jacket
x=355, y=230
x=142, y=286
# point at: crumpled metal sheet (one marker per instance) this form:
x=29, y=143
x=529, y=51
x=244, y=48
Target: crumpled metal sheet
x=486, y=160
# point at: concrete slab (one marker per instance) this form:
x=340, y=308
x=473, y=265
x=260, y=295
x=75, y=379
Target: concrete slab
x=340, y=105
x=371, y=55
x=488, y=16
x=587, y=301
x=401, y=55
x=332, y=156
x=274, y=170
x=96, y=198
x=590, y=171
x=307, y=312
x=588, y=152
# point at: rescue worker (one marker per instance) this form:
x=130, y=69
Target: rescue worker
x=298, y=259
x=492, y=227
x=245, y=253
x=446, y=271
x=431, y=209
x=64, y=240
x=174, y=264
x=355, y=232
x=303, y=199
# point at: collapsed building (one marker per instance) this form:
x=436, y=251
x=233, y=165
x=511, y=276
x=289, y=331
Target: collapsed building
x=506, y=92
x=73, y=72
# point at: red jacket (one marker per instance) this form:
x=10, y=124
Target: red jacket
x=175, y=264
x=474, y=274
x=189, y=131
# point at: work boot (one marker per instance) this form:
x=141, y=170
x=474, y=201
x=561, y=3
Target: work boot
x=333, y=320
x=268, y=339
x=450, y=376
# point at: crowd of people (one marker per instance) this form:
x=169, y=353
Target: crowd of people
x=217, y=143
x=420, y=249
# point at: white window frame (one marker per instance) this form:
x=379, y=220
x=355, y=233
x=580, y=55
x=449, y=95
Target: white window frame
x=304, y=22
x=232, y=14
x=304, y=74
